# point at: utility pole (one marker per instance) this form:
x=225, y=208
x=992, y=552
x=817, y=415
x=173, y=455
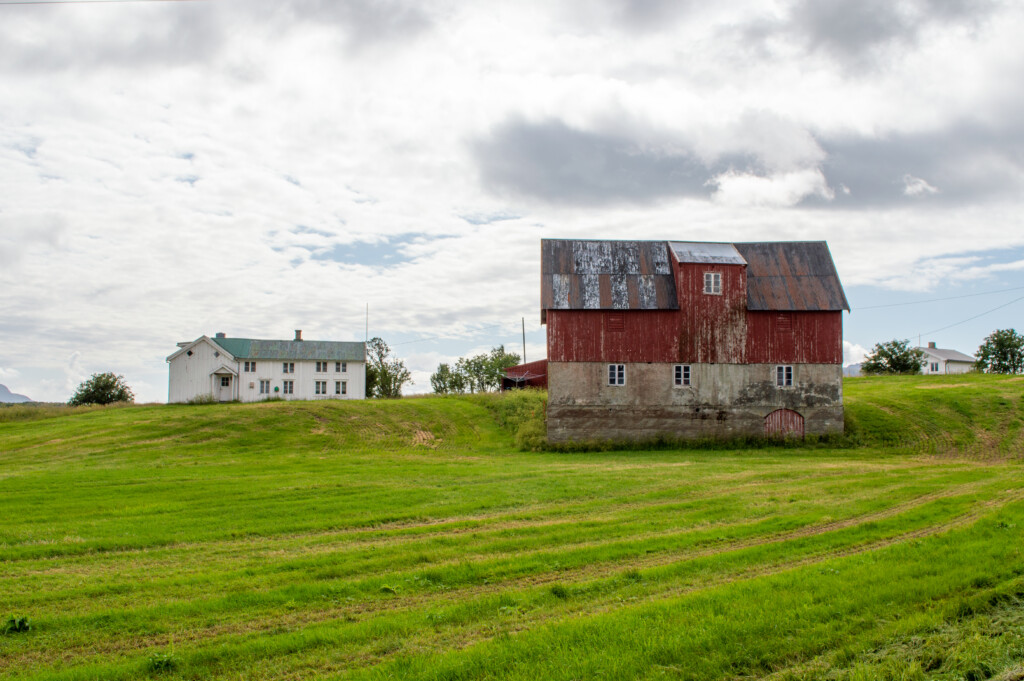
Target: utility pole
x=524, y=340
x=367, y=322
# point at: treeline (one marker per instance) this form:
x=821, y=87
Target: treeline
x=478, y=374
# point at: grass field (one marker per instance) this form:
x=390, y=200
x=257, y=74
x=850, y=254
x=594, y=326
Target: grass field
x=412, y=539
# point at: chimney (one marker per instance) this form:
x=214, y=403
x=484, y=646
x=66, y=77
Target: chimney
x=298, y=334
x=931, y=345
x=220, y=334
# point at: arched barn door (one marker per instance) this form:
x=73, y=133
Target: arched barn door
x=784, y=423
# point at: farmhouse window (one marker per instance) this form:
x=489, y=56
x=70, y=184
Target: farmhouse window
x=264, y=387
x=713, y=283
x=321, y=387
x=225, y=381
x=288, y=368
x=321, y=366
x=784, y=375
x=935, y=367
x=341, y=387
x=341, y=367
x=683, y=374
x=616, y=374
x=250, y=366
x=288, y=387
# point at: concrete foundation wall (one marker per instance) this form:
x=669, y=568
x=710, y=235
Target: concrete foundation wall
x=722, y=400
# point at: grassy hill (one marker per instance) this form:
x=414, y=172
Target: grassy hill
x=412, y=539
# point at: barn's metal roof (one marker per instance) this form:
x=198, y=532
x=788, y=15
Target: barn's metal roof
x=249, y=348
x=578, y=274
x=697, y=251
x=792, y=275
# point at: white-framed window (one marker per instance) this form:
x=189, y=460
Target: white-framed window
x=288, y=368
x=935, y=367
x=288, y=387
x=341, y=387
x=250, y=366
x=321, y=367
x=713, y=283
x=682, y=377
x=320, y=387
x=341, y=367
x=784, y=375
x=616, y=374
x=225, y=381
x=264, y=387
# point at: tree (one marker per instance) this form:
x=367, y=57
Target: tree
x=385, y=375
x=102, y=389
x=447, y=380
x=1002, y=353
x=893, y=357
x=484, y=372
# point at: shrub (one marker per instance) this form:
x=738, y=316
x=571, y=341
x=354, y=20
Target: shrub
x=105, y=388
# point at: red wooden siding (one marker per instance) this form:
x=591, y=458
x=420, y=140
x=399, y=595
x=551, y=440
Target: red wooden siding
x=795, y=337
x=712, y=328
x=784, y=422
x=585, y=336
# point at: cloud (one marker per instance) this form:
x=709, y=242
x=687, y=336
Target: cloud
x=970, y=162
x=856, y=34
x=759, y=158
x=915, y=186
x=853, y=353
x=8, y=374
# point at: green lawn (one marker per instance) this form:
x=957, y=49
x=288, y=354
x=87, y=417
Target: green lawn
x=412, y=539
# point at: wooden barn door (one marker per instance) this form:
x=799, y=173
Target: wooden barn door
x=784, y=423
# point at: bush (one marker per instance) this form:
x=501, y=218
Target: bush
x=17, y=625
x=105, y=388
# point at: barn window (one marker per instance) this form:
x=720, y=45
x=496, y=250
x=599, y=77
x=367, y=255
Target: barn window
x=713, y=283
x=616, y=322
x=616, y=374
x=683, y=374
x=784, y=375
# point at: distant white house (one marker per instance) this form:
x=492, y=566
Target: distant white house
x=942, y=361
x=250, y=370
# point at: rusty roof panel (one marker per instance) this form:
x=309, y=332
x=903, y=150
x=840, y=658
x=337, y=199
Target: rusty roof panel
x=792, y=275
x=580, y=274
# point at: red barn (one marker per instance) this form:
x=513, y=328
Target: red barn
x=649, y=338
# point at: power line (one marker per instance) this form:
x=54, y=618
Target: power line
x=964, y=321
x=937, y=300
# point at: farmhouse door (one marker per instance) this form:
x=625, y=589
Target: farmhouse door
x=784, y=423
x=224, y=384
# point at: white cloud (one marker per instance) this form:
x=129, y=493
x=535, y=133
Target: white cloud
x=915, y=186
x=781, y=190
x=853, y=353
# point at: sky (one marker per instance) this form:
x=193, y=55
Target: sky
x=179, y=168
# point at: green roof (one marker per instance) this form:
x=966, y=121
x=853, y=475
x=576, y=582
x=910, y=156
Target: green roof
x=250, y=348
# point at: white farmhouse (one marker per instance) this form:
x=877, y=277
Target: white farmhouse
x=250, y=370
x=941, y=361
